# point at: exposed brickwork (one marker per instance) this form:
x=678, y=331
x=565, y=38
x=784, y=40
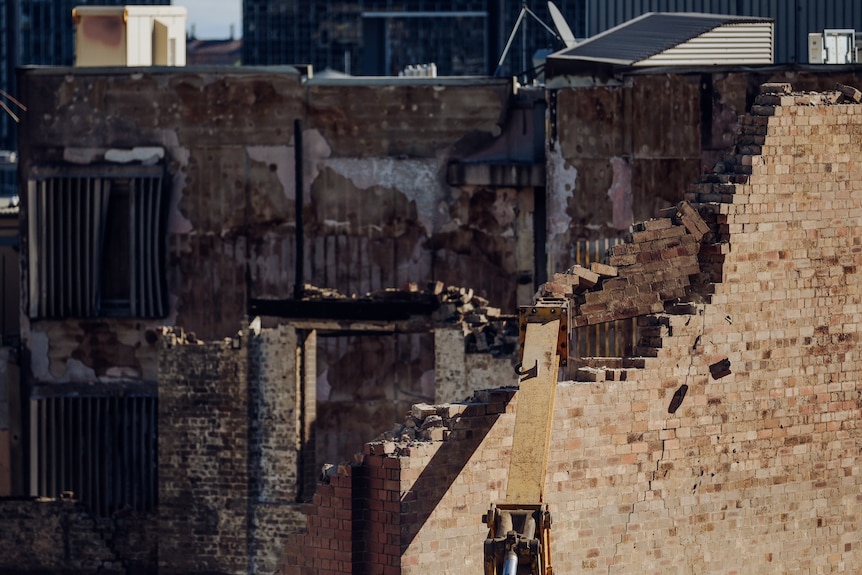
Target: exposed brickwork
x=52, y=536
x=655, y=265
x=227, y=481
x=327, y=544
x=390, y=502
x=203, y=461
x=733, y=447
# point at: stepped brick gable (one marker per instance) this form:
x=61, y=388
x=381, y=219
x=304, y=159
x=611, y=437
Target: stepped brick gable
x=733, y=446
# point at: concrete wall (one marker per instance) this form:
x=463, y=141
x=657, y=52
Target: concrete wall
x=375, y=163
x=733, y=450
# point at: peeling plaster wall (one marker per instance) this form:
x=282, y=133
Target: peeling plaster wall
x=621, y=154
x=92, y=350
x=379, y=212
x=413, y=178
x=620, y=193
x=561, y=189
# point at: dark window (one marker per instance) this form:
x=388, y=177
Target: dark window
x=99, y=449
x=96, y=243
x=116, y=286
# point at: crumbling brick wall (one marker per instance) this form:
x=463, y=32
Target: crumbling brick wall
x=364, y=516
x=731, y=448
x=59, y=536
x=228, y=459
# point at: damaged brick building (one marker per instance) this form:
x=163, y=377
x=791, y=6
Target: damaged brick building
x=430, y=182
x=732, y=448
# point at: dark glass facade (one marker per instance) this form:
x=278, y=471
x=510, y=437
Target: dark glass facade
x=383, y=37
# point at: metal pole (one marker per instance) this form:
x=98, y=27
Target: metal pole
x=300, y=236
x=509, y=43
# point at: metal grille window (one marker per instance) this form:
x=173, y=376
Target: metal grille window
x=97, y=243
x=100, y=450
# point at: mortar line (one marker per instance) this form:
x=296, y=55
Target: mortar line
x=698, y=339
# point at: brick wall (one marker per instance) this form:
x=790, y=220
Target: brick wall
x=390, y=501
x=53, y=536
x=731, y=448
x=228, y=454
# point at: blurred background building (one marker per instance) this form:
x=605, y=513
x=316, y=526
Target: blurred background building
x=466, y=37
x=383, y=37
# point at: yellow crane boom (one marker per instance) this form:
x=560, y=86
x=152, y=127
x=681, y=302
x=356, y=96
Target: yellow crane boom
x=518, y=540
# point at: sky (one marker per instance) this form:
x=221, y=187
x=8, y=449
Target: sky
x=212, y=18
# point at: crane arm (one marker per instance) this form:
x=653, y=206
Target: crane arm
x=519, y=529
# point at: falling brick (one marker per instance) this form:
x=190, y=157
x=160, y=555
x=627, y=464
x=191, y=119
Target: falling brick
x=849, y=92
x=692, y=221
x=586, y=277
x=720, y=369
x=603, y=269
x=677, y=398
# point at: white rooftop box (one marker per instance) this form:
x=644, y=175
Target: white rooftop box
x=130, y=35
x=832, y=46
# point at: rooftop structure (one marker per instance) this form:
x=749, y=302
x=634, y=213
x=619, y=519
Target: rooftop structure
x=130, y=35
x=678, y=38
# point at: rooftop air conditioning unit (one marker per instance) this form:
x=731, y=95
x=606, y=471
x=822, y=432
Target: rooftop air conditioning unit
x=130, y=35
x=815, y=48
x=833, y=46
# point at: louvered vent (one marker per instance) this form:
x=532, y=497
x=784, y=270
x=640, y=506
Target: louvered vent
x=101, y=450
x=97, y=244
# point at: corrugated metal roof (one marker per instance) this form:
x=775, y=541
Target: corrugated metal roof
x=738, y=43
x=648, y=35
x=794, y=19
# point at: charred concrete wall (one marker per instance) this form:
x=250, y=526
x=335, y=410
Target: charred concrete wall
x=378, y=210
x=230, y=452
x=381, y=210
x=623, y=153
x=732, y=448
x=400, y=370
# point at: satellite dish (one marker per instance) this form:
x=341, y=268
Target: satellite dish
x=562, y=27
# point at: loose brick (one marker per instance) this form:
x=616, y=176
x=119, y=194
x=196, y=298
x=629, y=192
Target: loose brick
x=603, y=269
